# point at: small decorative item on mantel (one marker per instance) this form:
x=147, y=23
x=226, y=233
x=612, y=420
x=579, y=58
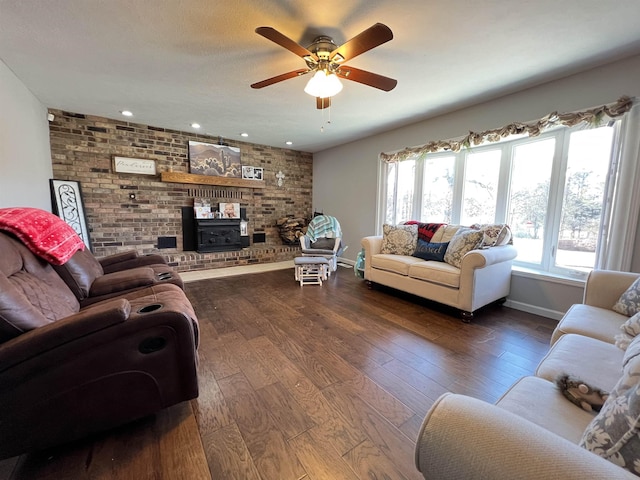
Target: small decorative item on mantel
x=202, y=208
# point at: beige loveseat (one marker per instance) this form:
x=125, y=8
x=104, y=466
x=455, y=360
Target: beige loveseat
x=484, y=275
x=533, y=431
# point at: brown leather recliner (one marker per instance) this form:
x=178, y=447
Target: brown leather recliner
x=66, y=371
x=93, y=280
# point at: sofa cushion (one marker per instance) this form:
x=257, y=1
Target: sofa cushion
x=394, y=263
x=436, y=272
x=540, y=402
x=595, y=322
x=614, y=433
x=629, y=302
x=601, y=367
x=399, y=239
x=462, y=243
x=445, y=233
x=494, y=234
x=430, y=251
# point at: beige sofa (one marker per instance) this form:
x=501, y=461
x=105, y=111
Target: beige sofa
x=484, y=275
x=533, y=431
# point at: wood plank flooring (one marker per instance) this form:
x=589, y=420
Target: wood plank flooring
x=307, y=383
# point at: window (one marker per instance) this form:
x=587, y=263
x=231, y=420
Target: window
x=437, y=189
x=550, y=189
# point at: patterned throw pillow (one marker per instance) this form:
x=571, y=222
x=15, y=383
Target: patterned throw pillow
x=630, y=329
x=399, y=239
x=431, y=251
x=614, y=432
x=629, y=302
x=462, y=243
x=494, y=234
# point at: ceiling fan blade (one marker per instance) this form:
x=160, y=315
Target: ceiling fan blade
x=280, y=78
x=323, y=102
x=363, y=42
x=367, y=78
x=284, y=41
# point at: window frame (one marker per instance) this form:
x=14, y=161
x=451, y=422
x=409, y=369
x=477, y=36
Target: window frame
x=557, y=184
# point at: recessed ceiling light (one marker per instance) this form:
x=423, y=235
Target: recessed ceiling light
x=244, y=134
x=289, y=142
x=195, y=125
x=126, y=113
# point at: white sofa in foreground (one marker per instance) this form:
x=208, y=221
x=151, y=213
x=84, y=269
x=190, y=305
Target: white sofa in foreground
x=482, y=277
x=533, y=431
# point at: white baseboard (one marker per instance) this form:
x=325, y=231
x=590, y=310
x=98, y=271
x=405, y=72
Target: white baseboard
x=347, y=261
x=543, y=312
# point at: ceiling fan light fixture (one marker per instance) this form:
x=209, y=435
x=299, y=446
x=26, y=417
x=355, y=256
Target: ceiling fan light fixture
x=323, y=84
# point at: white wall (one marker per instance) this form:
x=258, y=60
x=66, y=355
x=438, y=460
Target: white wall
x=345, y=178
x=25, y=154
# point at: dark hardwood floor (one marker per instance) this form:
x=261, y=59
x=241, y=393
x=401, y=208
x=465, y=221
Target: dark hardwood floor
x=308, y=383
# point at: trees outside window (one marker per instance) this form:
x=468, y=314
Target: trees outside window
x=550, y=190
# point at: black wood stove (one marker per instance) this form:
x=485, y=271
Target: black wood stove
x=217, y=235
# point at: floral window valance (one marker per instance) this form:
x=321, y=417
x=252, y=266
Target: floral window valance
x=593, y=116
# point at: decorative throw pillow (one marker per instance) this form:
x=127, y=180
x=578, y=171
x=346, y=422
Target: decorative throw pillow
x=445, y=233
x=494, y=234
x=425, y=230
x=462, y=243
x=629, y=302
x=430, y=251
x=614, y=432
x=399, y=239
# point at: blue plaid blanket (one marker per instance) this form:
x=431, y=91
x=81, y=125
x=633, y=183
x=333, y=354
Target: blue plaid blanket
x=323, y=226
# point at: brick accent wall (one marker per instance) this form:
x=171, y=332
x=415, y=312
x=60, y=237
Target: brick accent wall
x=83, y=147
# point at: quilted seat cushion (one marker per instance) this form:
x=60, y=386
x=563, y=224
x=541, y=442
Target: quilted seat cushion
x=394, y=263
x=436, y=272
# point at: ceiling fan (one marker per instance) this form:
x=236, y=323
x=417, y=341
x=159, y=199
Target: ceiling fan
x=326, y=61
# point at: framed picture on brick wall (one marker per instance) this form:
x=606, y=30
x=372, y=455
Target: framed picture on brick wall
x=252, y=173
x=216, y=160
x=66, y=202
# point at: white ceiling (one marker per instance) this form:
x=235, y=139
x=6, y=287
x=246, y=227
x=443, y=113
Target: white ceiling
x=174, y=62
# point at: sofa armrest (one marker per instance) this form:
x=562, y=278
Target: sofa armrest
x=122, y=281
x=462, y=437
x=372, y=246
x=52, y=335
x=129, y=259
x=604, y=287
x=117, y=258
x=488, y=256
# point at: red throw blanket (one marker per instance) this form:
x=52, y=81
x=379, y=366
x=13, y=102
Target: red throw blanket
x=45, y=234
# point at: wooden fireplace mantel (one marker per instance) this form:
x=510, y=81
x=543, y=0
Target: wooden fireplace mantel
x=181, y=177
